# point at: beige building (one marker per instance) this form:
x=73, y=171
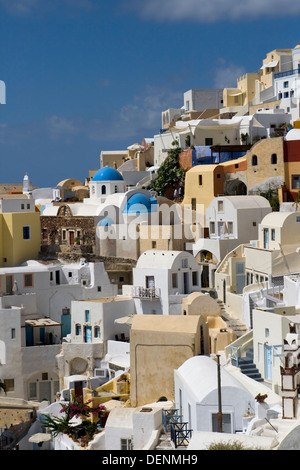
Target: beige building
x=159, y=344
x=265, y=165
x=216, y=333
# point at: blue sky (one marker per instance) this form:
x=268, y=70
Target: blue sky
x=89, y=75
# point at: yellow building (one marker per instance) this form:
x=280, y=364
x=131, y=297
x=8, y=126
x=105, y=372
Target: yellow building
x=19, y=231
x=276, y=61
x=202, y=184
x=243, y=94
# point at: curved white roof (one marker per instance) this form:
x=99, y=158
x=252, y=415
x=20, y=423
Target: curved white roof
x=247, y=202
x=277, y=219
x=195, y=369
x=293, y=134
x=159, y=258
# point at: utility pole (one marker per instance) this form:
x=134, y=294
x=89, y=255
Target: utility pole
x=219, y=395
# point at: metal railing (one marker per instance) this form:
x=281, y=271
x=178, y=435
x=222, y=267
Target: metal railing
x=286, y=74
x=172, y=422
x=148, y=293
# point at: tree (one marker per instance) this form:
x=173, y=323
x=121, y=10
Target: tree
x=170, y=173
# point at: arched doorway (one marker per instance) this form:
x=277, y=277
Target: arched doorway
x=236, y=187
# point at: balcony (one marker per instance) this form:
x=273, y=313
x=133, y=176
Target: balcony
x=287, y=73
x=146, y=293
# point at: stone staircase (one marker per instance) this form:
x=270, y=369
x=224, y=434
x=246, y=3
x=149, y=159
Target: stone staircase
x=164, y=442
x=248, y=367
x=234, y=323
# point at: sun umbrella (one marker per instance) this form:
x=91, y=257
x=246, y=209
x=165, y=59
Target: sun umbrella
x=39, y=438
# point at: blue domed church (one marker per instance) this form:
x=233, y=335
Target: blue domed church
x=106, y=181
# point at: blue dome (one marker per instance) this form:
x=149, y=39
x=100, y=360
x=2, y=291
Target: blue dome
x=107, y=174
x=138, y=203
x=106, y=222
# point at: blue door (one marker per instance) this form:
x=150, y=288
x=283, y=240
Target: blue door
x=88, y=334
x=29, y=336
x=268, y=362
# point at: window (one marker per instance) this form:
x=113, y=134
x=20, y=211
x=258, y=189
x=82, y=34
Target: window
x=212, y=227
x=230, y=228
x=273, y=234
x=26, y=232
x=200, y=180
x=194, y=204
x=44, y=375
x=13, y=333
x=274, y=159
x=126, y=444
x=116, y=188
x=220, y=206
x=22, y=206
x=208, y=141
x=78, y=330
x=285, y=84
x=195, y=278
x=267, y=332
x=87, y=316
x=9, y=385
x=153, y=245
x=28, y=206
x=254, y=160
x=184, y=263
x=99, y=288
x=174, y=280
x=64, y=235
x=103, y=189
x=70, y=274
x=97, y=332
x=279, y=95
x=295, y=181
x=28, y=280
x=286, y=94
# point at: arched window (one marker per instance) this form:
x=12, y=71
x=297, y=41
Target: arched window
x=254, y=160
x=274, y=159
x=103, y=189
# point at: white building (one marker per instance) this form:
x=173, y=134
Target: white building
x=55, y=285
x=35, y=311
x=287, y=86
x=209, y=132
x=29, y=344
x=161, y=278
x=231, y=220
x=196, y=396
